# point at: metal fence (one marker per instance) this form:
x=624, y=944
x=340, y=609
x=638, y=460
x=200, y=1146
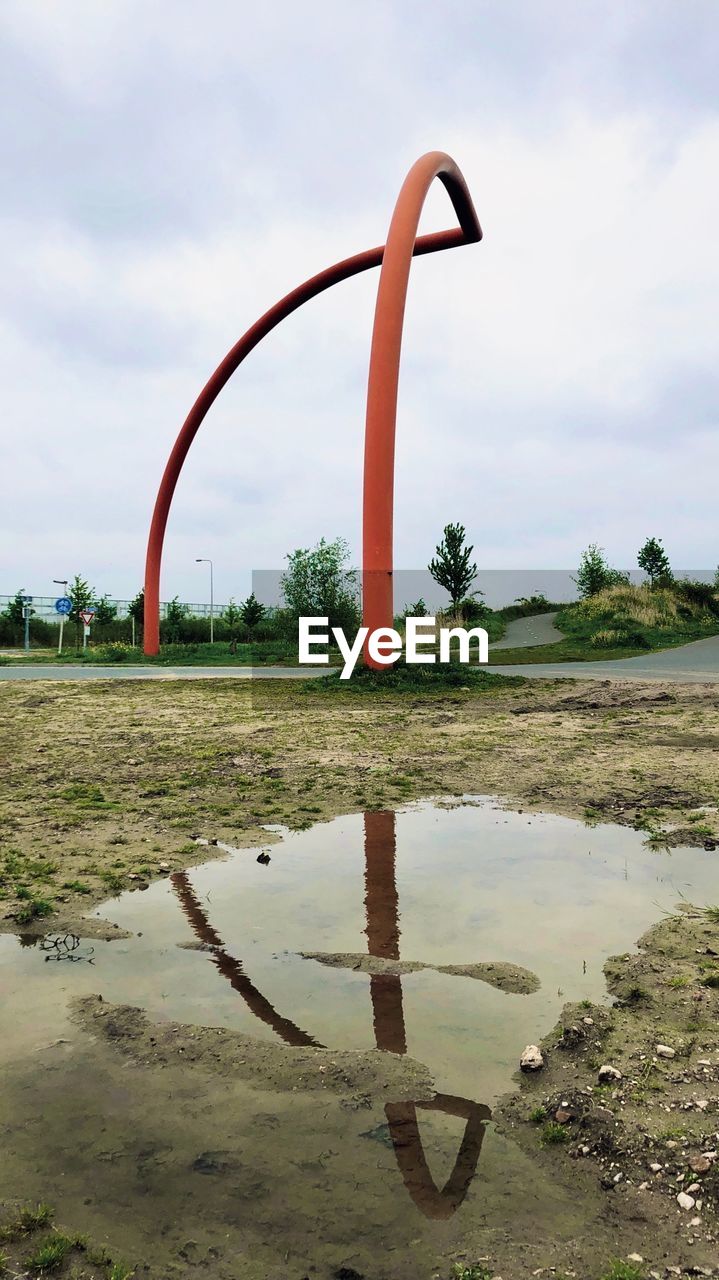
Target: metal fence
x=44, y=607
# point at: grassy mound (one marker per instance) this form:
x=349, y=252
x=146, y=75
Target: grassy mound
x=413, y=679
x=641, y=617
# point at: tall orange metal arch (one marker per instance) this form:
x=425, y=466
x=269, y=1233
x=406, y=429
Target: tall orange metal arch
x=395, y=258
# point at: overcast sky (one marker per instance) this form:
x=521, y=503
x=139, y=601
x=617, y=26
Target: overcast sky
x=171, y=168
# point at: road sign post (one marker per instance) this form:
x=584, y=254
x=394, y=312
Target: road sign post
x=86, y=617
x=63, y=607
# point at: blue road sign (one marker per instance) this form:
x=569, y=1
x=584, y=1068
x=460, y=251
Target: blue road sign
x=63, y=605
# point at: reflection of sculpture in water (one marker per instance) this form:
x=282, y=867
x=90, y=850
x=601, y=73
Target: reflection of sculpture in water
x=232, y=969
x=382, y=910
x=382, y=930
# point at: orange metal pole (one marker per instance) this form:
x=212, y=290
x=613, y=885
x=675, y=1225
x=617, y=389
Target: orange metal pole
x=377, y=527
x=377, y=557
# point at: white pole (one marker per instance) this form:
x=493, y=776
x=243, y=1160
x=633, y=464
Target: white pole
x=132, y=620
x=61, y=582
x=206, y=560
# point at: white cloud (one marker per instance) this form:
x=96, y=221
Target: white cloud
x=558, y=379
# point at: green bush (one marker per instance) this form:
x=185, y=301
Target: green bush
x=115, y=651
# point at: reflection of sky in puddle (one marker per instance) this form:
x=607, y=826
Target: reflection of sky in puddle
x=473, y=883
x=457, y=886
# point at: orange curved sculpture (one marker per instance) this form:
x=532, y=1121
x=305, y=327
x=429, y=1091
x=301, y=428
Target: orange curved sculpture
x=395, y=258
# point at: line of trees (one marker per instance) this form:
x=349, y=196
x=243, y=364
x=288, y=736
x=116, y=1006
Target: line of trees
x=319, y=581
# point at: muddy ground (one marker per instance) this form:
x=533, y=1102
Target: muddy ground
x=106, y=787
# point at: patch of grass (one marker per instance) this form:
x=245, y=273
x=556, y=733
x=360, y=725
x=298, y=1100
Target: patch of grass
x=51, y=1253
x=678, y=981
x=538, y=1115
x=478, y=1271
x=712, y=913
x=26, y=1221
x=113, y=881
x=553, y=1134
x=77, y=886
x=119, y=1271
x=86, y=795
x=620, y=1270
x=635, y=994
x=412, y=679
x=33, y=909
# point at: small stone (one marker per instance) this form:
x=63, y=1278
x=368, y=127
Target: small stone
x=531, y=1059
x=695, y=1222
x=655, y=1167
x=563, y=1117
x=695, y=1186
x=702, y=1104
x=699, y=1164
x=685, y=1201
x=634, y=1257
x=665, y=1051
x=608, y=1072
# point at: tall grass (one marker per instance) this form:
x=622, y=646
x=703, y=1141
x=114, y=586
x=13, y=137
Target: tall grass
x=642, y=616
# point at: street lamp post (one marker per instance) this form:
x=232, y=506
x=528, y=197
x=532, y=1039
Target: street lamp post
x=26, y=611
x=61, y=582
x=206, y=560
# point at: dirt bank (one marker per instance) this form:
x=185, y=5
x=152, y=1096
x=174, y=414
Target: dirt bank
x=627, y=1104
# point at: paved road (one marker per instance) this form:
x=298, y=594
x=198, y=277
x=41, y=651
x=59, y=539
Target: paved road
x=523, y=633
x=696, y=663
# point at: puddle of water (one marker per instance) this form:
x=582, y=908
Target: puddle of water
x=459, y=886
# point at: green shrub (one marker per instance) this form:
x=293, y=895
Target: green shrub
x=115, y=651
x=553, y=1134
x=33, y=909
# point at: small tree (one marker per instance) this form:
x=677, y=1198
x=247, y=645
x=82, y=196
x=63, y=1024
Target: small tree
x=318, y=583
x=81, y=594
x=15, y=609
x=594, y=573
x=653, y=559
x=451, y=565
x=232, y=615
x=252, y=612
x=175, y=614
x=105, y=612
